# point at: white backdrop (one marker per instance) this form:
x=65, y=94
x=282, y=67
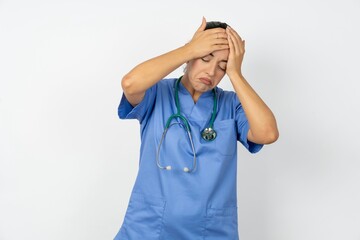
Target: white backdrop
x=68, y=164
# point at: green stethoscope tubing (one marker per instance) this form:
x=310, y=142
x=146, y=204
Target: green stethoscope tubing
x=208, y=134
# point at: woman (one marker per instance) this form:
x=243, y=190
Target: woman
x=186, y=184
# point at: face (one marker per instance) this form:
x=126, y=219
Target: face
x=203, y=74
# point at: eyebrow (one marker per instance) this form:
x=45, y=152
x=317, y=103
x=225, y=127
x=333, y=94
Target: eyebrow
x=220, y=61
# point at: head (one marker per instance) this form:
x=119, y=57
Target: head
x=206, y=72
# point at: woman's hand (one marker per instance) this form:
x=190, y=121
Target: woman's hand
x=236, y=54
x=206, y=42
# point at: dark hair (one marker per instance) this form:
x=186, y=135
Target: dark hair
x=210, y=25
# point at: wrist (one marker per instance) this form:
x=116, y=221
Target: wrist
x=187, y=52
x=235, y=75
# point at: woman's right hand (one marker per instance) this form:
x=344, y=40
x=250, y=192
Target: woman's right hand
x=205, y=42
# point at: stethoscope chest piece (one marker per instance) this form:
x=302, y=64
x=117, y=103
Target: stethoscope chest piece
x=208, y=134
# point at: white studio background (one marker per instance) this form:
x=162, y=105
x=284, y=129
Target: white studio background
x=68, y=164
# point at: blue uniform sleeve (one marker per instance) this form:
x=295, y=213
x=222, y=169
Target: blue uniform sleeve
x=242, y=125
x=141, y=111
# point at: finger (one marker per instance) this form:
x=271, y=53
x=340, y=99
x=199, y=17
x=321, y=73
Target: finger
x=236, y=42
x=221, y=35
x=215, y=37
x=237, y=38
x=215, y=30
x=202, y=26
x=231, y=43
x=235, y=33
x=217, y=34
x=241, y=46
x=219, y=47
x=220, y=41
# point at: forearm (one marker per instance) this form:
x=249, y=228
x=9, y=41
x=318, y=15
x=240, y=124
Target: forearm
x=263, y=127
x=148, y=73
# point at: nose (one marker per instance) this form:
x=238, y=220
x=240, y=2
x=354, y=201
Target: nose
x=211, y=69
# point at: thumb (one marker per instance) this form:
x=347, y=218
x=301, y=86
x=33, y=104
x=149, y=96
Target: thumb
x=203, y=25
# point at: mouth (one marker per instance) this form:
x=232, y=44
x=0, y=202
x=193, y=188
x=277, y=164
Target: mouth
x=205, y=81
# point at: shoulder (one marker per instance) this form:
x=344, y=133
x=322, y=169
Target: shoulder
x=164, y=86
x=227, y=96
x=167, y=82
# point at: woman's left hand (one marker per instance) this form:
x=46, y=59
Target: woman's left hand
x=237, y=51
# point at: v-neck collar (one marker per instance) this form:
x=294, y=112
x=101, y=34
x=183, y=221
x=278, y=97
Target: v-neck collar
x=199, y=111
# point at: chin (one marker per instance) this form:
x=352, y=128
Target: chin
x=202, y=89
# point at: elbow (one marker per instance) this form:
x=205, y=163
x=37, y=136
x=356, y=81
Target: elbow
x=127, y=84
x=271, y=135
x=265, y=136
x=270, y=132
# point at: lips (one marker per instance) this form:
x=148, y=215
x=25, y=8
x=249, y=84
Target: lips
x=205, y=81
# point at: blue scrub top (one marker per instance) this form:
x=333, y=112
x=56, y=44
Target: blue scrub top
x=174, y=204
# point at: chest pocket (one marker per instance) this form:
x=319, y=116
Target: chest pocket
x=225, y=141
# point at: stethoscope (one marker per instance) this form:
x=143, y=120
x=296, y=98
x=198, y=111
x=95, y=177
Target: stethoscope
x=208, y=134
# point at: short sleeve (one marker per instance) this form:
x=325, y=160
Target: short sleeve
x=242, y=125
x=141, y=111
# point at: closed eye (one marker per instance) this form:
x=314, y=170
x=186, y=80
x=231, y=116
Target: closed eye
x=222, y=69
x=222, y=66
x=205, y=59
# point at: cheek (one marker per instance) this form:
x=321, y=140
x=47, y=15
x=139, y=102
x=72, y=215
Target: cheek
x=197, y=66
x=219, y=75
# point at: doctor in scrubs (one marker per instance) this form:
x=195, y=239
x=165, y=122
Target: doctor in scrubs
x=186, y=183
